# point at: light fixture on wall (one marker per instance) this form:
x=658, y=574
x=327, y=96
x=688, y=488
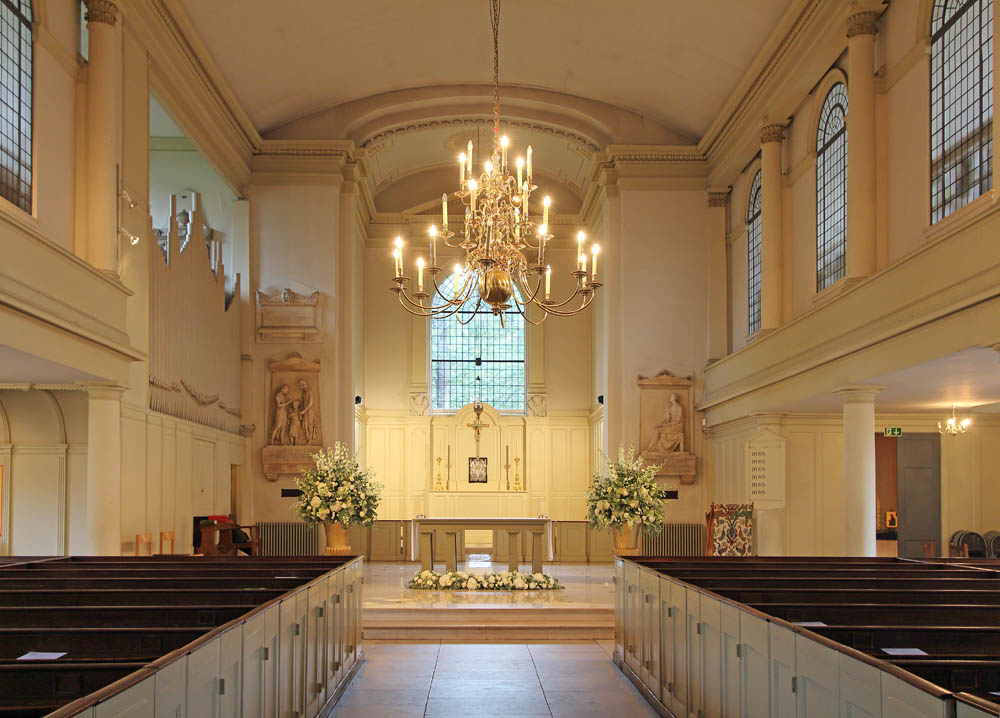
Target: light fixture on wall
x=497, y=237
x=954, y=425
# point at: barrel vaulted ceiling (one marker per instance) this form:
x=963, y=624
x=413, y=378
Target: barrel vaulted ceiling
x=408, y=80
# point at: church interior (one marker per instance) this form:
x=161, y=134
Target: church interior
x=651, y=350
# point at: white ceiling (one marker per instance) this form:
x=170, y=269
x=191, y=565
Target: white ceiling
x=17, y=367
x=969, y=379
x=674, y=61
x=160, y=123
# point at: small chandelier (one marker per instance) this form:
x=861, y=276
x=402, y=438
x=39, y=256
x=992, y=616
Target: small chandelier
x=952, y=426
x=498, y=238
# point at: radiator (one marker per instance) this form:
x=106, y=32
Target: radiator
x=293, y=538
x=675, y=540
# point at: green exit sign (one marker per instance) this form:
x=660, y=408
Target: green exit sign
x=892, y=431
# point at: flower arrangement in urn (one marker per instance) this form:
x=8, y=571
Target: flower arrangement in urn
x=338, y=492
x=627, y=498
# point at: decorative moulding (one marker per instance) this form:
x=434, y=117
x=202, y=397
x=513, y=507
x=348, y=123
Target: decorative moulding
x=537, y=405
x=419, y=404
x=666, y=425
x=287, y=317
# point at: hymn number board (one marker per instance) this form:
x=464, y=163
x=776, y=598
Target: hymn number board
x=765, y=470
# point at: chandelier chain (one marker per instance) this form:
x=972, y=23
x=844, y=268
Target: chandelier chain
x=495, y=21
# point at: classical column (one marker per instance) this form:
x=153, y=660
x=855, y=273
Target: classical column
x=104, y=471
x=718, y=284
x=861, y=259
x=859, y=469
x=104, y=93
x=771, y=260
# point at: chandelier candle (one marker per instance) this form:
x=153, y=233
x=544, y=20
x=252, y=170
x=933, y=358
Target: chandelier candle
x=504, y=263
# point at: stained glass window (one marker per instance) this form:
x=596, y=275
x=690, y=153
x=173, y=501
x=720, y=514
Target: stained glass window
x=831, y=188
x=483, y=348
x=15, y=102
x=961, y=103
x=753, y=255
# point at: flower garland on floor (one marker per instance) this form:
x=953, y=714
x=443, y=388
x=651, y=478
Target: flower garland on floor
x=503, y=581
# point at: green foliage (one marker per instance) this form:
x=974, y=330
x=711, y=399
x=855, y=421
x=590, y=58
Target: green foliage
x=337, y=489
x=627, y=494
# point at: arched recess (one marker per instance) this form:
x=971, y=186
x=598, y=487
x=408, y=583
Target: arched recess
x=74, y=407
x=34, y=512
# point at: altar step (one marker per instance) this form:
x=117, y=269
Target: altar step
x=489, y=623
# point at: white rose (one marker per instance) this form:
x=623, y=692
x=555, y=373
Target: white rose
x=519, y=583
x=471, y=584
x=537, y=576
x=315, y=501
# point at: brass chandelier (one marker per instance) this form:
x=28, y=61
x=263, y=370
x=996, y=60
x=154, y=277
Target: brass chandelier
x=498, y=237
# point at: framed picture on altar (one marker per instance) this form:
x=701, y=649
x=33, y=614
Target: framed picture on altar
x=477, y=470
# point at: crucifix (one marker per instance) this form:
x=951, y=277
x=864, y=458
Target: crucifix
x=478, y=424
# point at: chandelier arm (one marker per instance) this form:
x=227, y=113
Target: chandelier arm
x=530, y=295
x=570, y=298
x=529, y=320
x=430, y=311
x=569, y=313
x=422, y=313
x=437, y=291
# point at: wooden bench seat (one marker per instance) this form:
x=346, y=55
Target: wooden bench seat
x=753, y=595
x=121, y=616
x=983, y=640
x=104, y=643
x=136, y=597
x=133, y=583
x=979, y=677
x=35, y=688
x=900, y=614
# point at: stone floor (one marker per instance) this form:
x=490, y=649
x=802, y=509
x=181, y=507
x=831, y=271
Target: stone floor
x=406, y=680
x=587, y=586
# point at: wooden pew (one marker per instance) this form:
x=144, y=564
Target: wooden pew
x=101, y=644
x=35, y=688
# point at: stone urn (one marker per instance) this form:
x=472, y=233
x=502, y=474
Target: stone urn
x=626, y=539
x=338, y=539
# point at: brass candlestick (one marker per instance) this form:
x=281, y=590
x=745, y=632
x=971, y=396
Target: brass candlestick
x=437, y=481
x=447, y=480
x=507, y=468
x=517, y=475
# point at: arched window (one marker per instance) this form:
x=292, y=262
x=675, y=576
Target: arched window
x=15, y=102
x=831, y=188
x=961, y=103
x=461, y=351
x=753, y=254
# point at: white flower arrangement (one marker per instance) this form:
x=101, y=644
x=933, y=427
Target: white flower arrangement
x=628, y=494
x=502, y=581
x=337, y=489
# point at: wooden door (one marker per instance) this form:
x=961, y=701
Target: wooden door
x=860, y=688
x=315, y=680
x=732, y=669
x=231, y=672
x=666, y=642
x=755, y=671
x=695, y=645
x=679, y=633
x=291, y=654
x=171, y=689
x=633, y=619
x=712, y=661
x=254, y=662
x=649, y=584
x=133, y=702
x=781, y=647
x=620, y=607
x=203, y=681
x=335, y=631
x=918, y=462
x=817, y=684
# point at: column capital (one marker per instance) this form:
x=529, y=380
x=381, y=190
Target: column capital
x=862, y=23
x=104, y=391
x=103, y=11
x=772, y=133
x=718, y=198
x=858, y=393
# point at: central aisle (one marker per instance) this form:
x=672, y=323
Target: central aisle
x=409, y=680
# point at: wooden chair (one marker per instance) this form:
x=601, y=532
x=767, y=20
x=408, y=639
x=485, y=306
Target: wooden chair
x=253, y=545
x=164, y=537
x=144, y=540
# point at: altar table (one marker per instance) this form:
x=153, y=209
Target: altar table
x=540, y=528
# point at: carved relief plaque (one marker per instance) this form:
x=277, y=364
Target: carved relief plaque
x=666, y=425
x=294, y=425
x=287, y=317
